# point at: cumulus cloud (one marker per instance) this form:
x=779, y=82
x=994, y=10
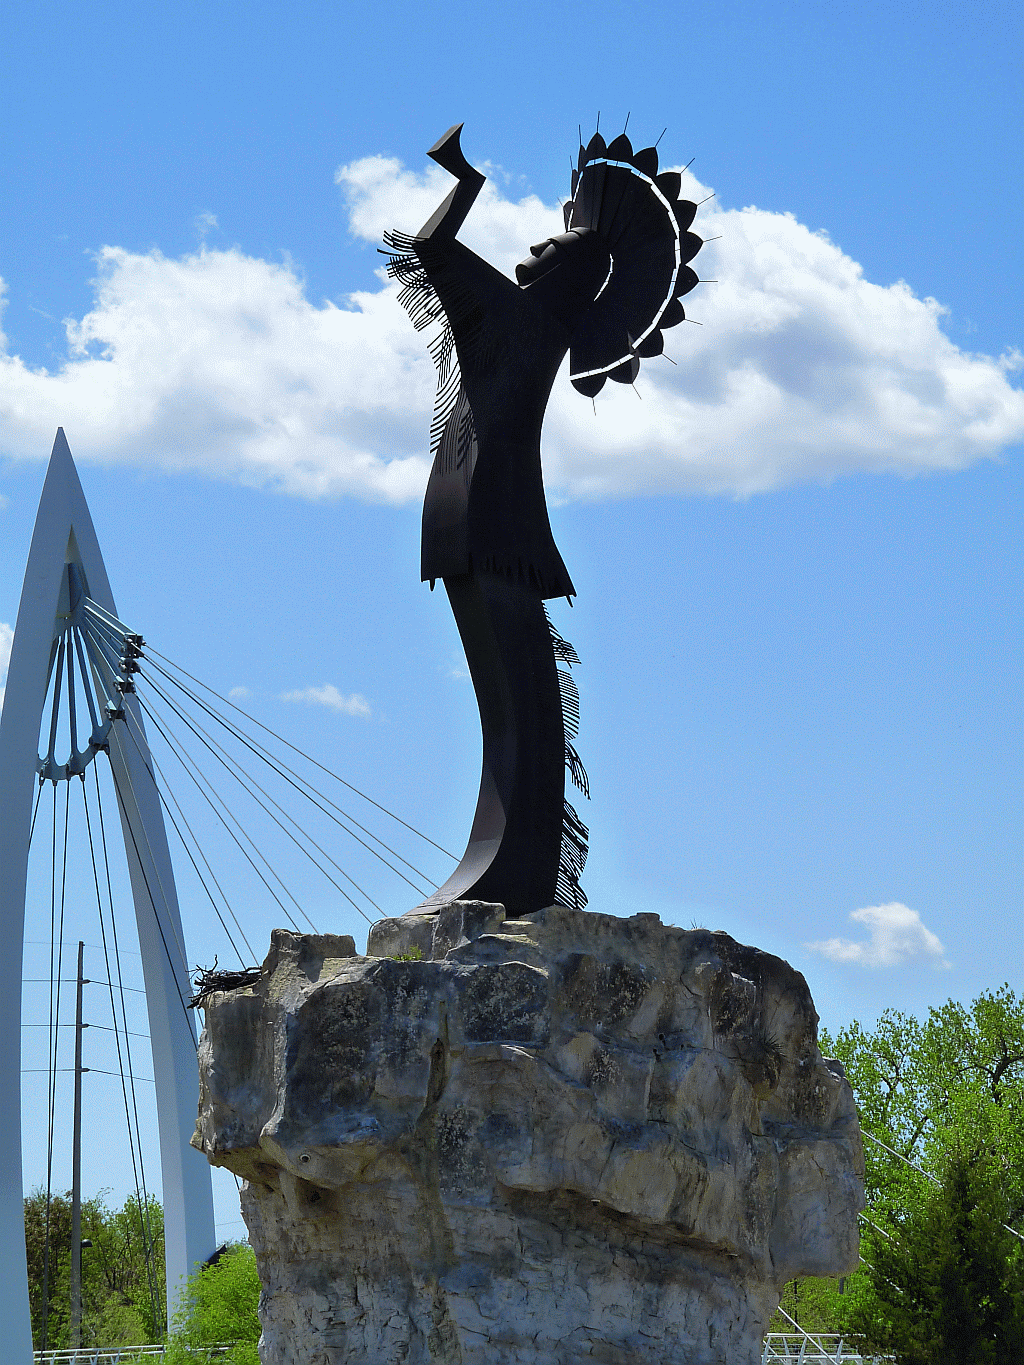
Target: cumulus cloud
x=896, y=934
x=380, y=193
x=238, y=693
x=6, y=637
x=218, y=362
x=328, y=695
x=803, y=369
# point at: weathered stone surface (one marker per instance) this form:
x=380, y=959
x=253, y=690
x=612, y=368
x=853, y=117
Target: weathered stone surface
x=564, y=1138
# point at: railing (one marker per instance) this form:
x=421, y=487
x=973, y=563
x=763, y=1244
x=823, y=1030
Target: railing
x=812, y=1349
x=101, y=1355
x=817, y=1348
x=111, y=1355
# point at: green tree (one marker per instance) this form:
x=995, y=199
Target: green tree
x=218, y=1309
x=125, y=1290
x=122, y=1271
x=815, y=1305
x=947, y=1281
x=946, y=1095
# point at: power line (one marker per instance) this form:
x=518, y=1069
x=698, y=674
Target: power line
x=44, y=943
x=70, y=981
x=104, y=1027
x=70, y=1070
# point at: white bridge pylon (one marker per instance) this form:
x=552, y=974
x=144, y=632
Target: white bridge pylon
x=64, y=535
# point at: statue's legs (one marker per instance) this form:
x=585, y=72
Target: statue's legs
x=514, y=846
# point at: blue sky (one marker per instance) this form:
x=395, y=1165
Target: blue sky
x=797, y=553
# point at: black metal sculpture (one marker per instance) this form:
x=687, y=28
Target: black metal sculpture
x=604, y=291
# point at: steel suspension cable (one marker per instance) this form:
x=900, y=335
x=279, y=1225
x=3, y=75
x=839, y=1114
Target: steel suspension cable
x=202, y=882
x=927, y=1175
x=182, y=754
x=234, y=768
x=199, y=781
x=58, y=677
x=152, y=901
x=295, y=749
x=133, y=1136
x=233, y=772
x=163, y=890
x=111, y=637
x=54, y=1023
x=301, y=784
x=35, y=812
x=124, y=1004
x=50, y=1044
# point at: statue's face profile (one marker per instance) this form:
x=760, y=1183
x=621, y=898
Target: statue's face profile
x=565, y=274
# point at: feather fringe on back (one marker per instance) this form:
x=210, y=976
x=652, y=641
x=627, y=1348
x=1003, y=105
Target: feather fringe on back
x=419, y=299
x=575, y=835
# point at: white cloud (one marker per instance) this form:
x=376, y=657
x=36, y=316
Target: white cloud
x=237, y=693
x=803, y=370
x=896, y=935
x=379, y=193
x=218, y=363
x=6, y=639
x=328, y=695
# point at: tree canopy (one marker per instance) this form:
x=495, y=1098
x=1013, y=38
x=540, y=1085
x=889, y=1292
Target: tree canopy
x=942, y=1109
x=122, y=1271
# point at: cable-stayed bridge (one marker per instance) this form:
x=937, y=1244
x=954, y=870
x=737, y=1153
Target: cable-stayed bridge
x=228, y=830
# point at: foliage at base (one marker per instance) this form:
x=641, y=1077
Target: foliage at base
x=217, y=1309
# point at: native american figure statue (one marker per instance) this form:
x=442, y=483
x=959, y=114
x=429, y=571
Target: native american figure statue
x=603, y=291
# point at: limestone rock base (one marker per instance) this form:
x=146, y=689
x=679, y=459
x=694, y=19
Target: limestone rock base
x=561, y=1139
x=545, y=1280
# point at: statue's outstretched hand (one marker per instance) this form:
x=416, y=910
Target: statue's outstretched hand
x=447, y=152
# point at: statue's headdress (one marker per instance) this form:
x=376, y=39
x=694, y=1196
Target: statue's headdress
x=618, y=194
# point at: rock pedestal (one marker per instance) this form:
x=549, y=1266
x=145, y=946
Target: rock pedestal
x=558, y=1139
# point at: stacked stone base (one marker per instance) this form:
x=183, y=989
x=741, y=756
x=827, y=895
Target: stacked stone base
x=564, y=1138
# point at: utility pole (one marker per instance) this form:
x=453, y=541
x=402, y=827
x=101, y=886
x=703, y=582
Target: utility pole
x=76, y=1169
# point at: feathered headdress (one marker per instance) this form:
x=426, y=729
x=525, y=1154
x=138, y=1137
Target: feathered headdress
x=618, y=194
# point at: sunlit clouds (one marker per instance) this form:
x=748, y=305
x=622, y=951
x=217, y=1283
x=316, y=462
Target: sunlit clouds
x=802, y=370
x=896, y=935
